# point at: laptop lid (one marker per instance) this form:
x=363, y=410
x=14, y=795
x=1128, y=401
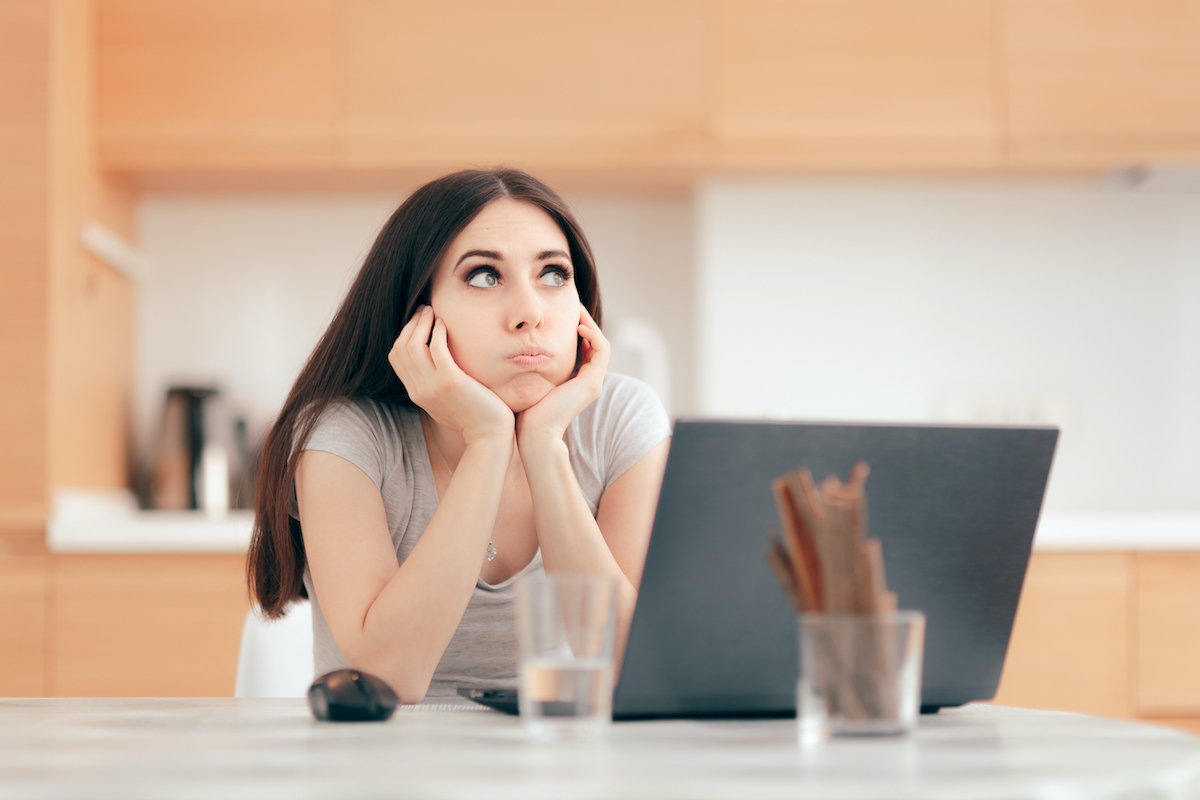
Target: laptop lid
x=954, y=506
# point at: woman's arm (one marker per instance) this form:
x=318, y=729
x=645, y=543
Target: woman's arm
x=572, y=541
x=613, y=543
x=396, y=621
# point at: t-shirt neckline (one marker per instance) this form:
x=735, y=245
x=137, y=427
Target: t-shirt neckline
x=533, y=564
x=480, y=583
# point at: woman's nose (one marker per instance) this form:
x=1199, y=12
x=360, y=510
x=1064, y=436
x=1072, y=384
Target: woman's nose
x=526, y=309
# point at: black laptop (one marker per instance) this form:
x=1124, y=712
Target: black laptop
x=954, y=506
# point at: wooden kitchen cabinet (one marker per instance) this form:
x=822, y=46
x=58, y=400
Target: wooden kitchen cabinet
x=329, y=90
x=830, y=83
x=321, y=85
x=590, y=83
x=1168, y=640
x=120, y=625
x=66, y=319
x=1093, y=84
x=232, y=84
x=147, y=625
x=24, y=610
x=676, y=87
x=24, y=282
x=1112, y=634
x=1073, y=638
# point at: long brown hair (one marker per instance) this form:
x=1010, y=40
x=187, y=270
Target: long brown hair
x=350, y=360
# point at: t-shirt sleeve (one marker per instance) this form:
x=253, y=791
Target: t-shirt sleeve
x=353, y=431
x=357, y=432
x=631, y=420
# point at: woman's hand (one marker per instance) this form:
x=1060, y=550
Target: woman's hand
x=422, y=361
x=547, y=420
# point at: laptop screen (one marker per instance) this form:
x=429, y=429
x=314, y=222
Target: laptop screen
x=954, y=506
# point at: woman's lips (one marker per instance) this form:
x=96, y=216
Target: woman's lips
x=530, y=358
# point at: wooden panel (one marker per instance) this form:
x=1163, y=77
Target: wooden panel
x=92, y=378
x=1070, y=648
x=532, y=82
x=92, y=315
x=66, y=322
x=1101, y=82
x=223, y=83
x=856, y=83
x=24, y=123
x=320, y=87
x=1168, y=642
x=150, y=626
x=23, y=599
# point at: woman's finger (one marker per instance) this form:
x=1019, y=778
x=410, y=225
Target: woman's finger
x=594, y=338
x=396, y=356
x=596, y=354
x=439, y=347
x=406, y=332
x=416, y=346
x=593, y=334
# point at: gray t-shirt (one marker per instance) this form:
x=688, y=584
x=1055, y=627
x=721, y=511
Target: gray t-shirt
x=387, y=443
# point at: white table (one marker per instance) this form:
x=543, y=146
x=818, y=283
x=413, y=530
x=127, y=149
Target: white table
x=226, y=748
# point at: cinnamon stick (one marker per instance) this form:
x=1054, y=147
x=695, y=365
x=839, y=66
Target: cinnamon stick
x=798, y=546
x=825, y=562
x=781, y=565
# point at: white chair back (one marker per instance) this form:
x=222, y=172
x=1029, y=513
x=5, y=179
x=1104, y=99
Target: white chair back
x=276, y=657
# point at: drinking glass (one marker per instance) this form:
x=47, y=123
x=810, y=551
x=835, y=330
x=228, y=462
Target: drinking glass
x=565, y=626
x=859, y=674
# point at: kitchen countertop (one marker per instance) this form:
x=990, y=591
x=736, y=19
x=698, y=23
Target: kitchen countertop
x=97, y=521
x=90, y=521
x=95, y=749
x=1118, y=531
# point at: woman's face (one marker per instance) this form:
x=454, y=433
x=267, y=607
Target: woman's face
x=505, y=290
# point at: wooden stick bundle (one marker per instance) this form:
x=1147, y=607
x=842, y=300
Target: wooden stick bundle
x=827, y=565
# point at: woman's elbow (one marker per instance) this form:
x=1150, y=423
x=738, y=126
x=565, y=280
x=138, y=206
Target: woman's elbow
x=410, y=681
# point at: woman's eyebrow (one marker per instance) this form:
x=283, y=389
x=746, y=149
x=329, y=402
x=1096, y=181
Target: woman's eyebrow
x=492, y=254
x=542, y=256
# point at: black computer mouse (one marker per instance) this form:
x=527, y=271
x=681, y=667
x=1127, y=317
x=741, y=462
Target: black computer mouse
x=348, y=695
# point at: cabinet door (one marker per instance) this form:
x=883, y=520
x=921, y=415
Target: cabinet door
x=536, y=83
x=148, y=626
x=231, y=84
x=23, y=593
x=1168, y=643
x=1098, y=84
x=1070, y=648
x=24, y=273
x=855, y=83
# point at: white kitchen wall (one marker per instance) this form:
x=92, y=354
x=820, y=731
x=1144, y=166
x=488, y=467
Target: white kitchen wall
x=1064, y=302
x=240, y=288
x=242, y=285
x=1070, y=302
x=643, y=248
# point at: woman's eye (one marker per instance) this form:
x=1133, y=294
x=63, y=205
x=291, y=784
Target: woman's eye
x=482, y=279
x=554, y=277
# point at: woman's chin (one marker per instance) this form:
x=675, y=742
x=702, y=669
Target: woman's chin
x=525, y=392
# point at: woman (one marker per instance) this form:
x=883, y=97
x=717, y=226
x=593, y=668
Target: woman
x=453, y=430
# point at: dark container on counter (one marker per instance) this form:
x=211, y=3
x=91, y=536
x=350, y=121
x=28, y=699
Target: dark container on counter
x=191, y=449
